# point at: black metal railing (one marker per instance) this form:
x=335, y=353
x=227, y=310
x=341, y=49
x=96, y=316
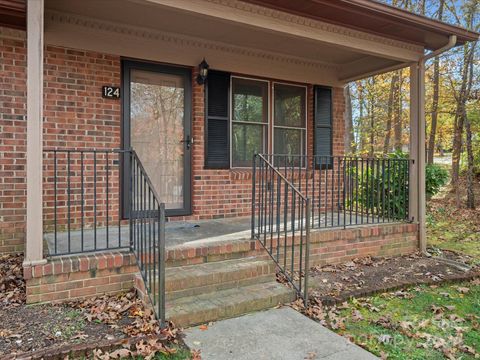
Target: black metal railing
x=147, y=234
x=85, y=211
x=281, y=222
x=349, y=191
x=82, y=207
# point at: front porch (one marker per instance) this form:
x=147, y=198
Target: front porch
x=225, y=173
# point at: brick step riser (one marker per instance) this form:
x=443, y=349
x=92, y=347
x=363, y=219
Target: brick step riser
x=195, y=279
x=173, y=295
x=229, y=311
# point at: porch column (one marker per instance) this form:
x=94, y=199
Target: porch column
x=34, y=230
x=417, y=196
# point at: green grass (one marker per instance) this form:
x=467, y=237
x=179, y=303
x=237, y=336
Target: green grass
x=408, y=328
x=181, y=354
x=449, y=230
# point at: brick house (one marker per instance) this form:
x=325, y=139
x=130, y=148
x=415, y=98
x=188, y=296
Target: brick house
x=117, y=115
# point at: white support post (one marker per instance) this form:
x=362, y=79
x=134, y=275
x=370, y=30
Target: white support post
x=417, y=196
x=34, y=230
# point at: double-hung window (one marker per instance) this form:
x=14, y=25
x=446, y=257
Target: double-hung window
x=239, y=122
x=289, y=122
x=249, y=112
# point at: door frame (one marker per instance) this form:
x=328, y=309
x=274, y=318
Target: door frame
x=186, y=73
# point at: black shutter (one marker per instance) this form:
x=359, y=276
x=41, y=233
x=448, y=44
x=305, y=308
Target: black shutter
x=217, y=121
x=323, y=124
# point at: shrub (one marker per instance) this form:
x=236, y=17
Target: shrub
x=436, y=176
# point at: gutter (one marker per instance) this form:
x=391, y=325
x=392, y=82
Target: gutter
x=452, y=41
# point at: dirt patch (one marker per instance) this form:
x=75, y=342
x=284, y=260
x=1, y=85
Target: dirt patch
x=29, y=328
x=335, y=283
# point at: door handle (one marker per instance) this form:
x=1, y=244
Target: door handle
x=188, y=141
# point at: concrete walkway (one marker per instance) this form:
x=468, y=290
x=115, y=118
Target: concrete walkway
x=277, y=334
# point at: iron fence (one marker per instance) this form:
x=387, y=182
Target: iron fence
x=349, y=191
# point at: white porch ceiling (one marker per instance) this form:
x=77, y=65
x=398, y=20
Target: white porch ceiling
x=237, y=29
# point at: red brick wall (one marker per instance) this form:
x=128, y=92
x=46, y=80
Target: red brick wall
x=77, y=117
x=12, y=144
x=80, y=276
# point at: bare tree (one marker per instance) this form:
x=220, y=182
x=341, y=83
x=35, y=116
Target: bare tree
x=436, y=91
x=349, y=138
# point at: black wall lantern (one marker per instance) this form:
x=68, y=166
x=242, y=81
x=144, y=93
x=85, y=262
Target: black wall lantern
x=202, y=72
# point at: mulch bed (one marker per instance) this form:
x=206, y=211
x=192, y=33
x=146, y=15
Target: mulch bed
x=27, y=329
x=333, y=284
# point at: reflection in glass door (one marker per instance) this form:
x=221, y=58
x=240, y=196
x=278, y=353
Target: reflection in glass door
x=159, y=124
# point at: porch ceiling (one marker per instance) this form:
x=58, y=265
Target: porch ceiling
x=348, y=53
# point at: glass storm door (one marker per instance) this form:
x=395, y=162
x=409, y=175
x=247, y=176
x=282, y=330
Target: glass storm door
x=157, y=121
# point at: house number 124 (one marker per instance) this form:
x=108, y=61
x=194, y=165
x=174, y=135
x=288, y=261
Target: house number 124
x=111, y=92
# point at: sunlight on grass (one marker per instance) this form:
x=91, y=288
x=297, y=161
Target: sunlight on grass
x=424, y=322
x=447, y=232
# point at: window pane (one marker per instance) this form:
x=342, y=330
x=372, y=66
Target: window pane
x=249, y=100
x=246, y=141
x=289, y=142
x=289, y=105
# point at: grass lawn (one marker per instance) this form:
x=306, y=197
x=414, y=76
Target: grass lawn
x=453, y=231
x=423, y=322
x=181, y=354
x=452, y=228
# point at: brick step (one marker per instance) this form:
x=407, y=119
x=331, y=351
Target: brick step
x=213, y=251
x=209, y=277
x=193, y=310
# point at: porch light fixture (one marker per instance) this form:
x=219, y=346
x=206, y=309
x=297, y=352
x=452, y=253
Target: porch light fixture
x=202, y=72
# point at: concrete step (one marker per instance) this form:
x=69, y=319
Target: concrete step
x=227, y=303
x=211, y=277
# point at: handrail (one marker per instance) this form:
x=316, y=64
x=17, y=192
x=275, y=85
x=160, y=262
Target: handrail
x=147, y=234
x=282, y=176
x=287, y=241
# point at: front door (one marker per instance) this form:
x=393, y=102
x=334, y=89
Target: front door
x=157, y=124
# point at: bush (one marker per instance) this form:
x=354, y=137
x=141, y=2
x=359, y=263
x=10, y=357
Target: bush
x=436, y=176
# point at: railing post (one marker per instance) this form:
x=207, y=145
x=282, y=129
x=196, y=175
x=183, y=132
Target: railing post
x=253, y=194
x=307, y=252
x=130, y=203
x=161, y=265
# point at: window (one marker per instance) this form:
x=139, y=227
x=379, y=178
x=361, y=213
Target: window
x=249, y=120
x=289, y=121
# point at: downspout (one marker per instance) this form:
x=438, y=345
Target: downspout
x=452, y=41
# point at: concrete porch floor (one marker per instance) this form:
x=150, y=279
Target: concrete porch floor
x=280, y=334
x=181, y=232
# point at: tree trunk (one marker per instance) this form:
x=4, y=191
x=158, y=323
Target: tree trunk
x=397, y=124
x=436, y=91
x=470, y=165
x=371, y=114
x=461, y=117
x=349, y=138
x=390, y=105
x=360, y=120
